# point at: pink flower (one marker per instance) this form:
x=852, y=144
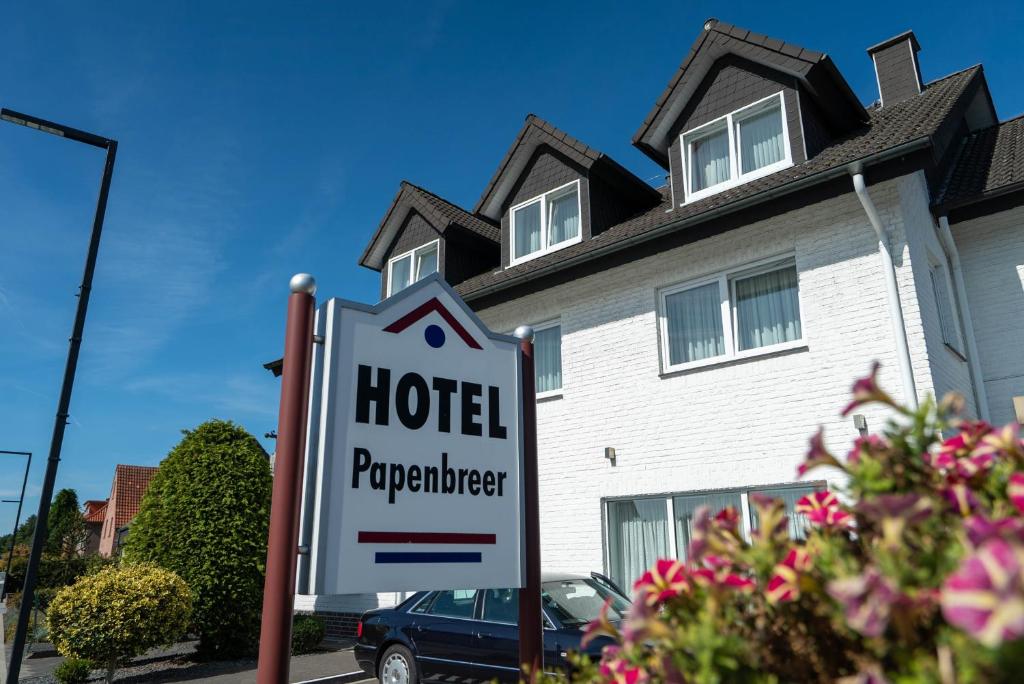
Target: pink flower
x=867, y=600
x=824, y=509
x=1015, y=491
x=772, y=522
x=728, y=518
x=817, y=454
x=894, y=512
x=619, y=671
x=961, y=498
x=980, y=529
x=1002, y=443
x=718, y=534
x=665, y=580
x=784, y=583
x=872, y=445
x=602, y=626
x=866, y=390
x=985, y=596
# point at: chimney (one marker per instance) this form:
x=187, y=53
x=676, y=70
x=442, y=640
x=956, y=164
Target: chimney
x=896, y=68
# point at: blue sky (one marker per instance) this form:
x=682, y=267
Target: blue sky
x=262, y=139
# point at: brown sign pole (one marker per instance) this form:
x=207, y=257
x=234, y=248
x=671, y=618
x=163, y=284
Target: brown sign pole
x=282, y=546
x=531, y=629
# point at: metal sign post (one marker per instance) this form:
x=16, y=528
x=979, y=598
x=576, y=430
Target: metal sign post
x=282, y=545
x=531, y=629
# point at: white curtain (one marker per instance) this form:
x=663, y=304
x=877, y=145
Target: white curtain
x=426, y=263
x=547, y=354
x=564, y=219
x=768, y=309
x=798, y=523
x=949, y=335
x=684, y=507
x=694, y=322
x=761, y=140
x=400, y=274
x=709, y=160
x=638, y=536
x=527, y=229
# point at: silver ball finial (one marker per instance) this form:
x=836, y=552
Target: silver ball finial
x=303, y=282
x=524, y=332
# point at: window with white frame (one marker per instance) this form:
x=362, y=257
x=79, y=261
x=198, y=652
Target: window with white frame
x=745, y=144
x=546, y=223
x=642, y=530
x=405, y=269
x=944, y=302
x=547, y=355
x=731, y=315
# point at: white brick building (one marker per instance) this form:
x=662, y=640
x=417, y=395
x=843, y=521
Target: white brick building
x=705, y=329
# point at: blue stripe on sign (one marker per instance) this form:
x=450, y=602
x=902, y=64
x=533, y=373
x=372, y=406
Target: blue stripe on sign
x=428, y=557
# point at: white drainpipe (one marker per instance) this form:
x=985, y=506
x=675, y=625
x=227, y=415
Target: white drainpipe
x=966, y=323
x=891, y=288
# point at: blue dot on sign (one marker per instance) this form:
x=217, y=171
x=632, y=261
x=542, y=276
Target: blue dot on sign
x=434, y=336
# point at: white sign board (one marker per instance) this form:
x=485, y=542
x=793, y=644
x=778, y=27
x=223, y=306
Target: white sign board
x=418, y=453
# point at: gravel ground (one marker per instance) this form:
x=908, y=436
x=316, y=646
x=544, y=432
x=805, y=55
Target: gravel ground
x=175, y=664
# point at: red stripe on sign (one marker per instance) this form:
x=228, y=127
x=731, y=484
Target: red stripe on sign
x=422, y=310
x=426, y=538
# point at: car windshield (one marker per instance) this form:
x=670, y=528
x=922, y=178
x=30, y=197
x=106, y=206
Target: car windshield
x=576, y=602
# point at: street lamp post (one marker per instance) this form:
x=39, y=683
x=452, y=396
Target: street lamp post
x=21, y=500
x=75, y=343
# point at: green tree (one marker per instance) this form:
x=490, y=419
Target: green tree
x=21, y=536
x=119, y=613
x=66, y=526
x=205, y=516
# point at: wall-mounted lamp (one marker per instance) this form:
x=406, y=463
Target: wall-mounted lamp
x=861, y=423
x=609, y=453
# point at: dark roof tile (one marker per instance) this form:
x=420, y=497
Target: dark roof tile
x=887, y=128
x=991, y=161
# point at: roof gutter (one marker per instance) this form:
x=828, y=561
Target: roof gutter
x=785, y=189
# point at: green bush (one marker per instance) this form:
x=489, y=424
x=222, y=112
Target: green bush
x=913, y=575
x=119, y=613
x=73, y=671
x=307, y=633
x=205, y=516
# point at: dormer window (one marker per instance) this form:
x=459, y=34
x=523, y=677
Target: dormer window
x=406, y=269
x=738, y=147
x=546, y=223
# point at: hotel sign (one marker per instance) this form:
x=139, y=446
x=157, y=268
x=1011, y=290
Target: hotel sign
x=416, y=420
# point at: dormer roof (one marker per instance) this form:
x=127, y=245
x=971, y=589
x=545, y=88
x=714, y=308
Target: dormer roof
x=814, y=70
x=535, y=133
x=439, y=212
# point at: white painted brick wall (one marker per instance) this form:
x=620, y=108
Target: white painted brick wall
x=741, y=424
x=992, y=256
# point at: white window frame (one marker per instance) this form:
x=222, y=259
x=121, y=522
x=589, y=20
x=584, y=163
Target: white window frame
x=957, y=346
x=746, y=510
x=547, y=325
x=731, y=122
x=544, y=200
x=727, y=293
x=414, y=266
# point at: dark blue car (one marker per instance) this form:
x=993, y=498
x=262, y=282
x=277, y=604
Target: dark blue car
x=473, y=633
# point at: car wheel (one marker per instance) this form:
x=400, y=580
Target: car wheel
x=397, y=666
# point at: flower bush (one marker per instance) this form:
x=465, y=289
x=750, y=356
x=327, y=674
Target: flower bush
x=914, y=572
x=119, y=613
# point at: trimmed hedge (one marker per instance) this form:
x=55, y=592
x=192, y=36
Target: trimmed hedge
x=307, y=633
x=73, y=671
x=206, y=516
x=119, y=613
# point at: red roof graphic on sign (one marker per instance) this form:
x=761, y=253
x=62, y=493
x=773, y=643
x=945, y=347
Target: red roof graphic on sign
x=433, y=305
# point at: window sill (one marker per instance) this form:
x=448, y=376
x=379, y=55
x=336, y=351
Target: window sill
x=549, y=396
x=717, y=188
x=795, y=347
x=541, y=252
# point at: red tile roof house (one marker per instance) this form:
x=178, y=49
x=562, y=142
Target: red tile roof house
x=706, y=328
x=94, y=512
x=130, y=483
